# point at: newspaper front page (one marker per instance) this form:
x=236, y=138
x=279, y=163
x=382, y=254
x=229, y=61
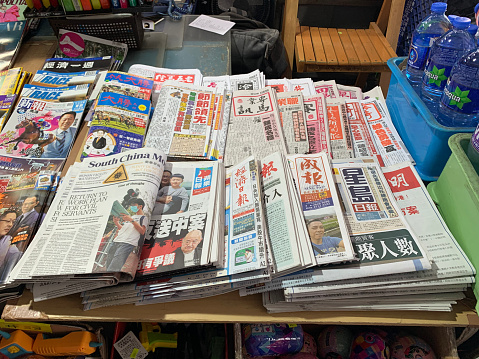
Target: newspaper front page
x=327, y=88
x=339, y=131
x=350, y=92
x=76, y=236
x=254, y=127
x=321, y=208
x=317, y=122
x=182, y=120
x=180, y=232
x=293, y=120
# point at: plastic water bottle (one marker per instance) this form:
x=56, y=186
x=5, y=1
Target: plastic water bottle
x=460, y=100
x=472, y=29
x=432, y=27
x=444, y=53
x=473, y=150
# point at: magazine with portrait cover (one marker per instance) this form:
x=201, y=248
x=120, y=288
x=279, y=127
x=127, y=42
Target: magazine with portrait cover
x=41, y=129
x=119, y=124
x=183, y=120
x=25, y=184
x=79, y=239
x=181, y=231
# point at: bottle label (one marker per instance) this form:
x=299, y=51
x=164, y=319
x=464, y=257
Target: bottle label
x=436, y=75
x=475, y=139
x=417, y=56
x=461, y=98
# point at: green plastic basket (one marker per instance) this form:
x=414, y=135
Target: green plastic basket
x=456, y=194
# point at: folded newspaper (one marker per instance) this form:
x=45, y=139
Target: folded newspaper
x=73, y=241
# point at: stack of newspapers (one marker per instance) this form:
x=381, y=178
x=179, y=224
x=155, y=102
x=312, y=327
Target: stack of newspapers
x=302, y=191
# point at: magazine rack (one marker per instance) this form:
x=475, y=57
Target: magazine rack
x=125, y=29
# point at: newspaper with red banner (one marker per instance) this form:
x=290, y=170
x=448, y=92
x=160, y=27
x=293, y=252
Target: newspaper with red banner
x=254, y=127
x=339, y=131
x=321, y=208
x=304, y=85
x=279, y=85
x=182, y=121
x=216, y=147
x=327, y=88
x=350, y=92
x=181, y=231
x=364, y=145
x=317, y=123
x=160, y=75
x=290, y=245
x=291, y=110
x=388, y=142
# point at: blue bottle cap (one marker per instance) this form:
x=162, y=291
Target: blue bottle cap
x=438, y=7
x=461, y=23
x=451, y=17
x=472, y=29
x=476, y=8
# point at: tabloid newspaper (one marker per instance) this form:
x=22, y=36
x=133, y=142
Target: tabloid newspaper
x=321, y=208
x=291, y=111
x=287, y=233
x=56, y=94
x=304, y=85
x=247, y=82
x=119, y=124
x=279, y=85
x=43, y=129
x=388, y=142
x=246, y=247
x=350, y=92
x=254, y=127
x=364, y=145
x=339, y=130
x=182, y=121
x=160, y=75
x=328, y=89
x=74, y=240
x=25, y=185
x=317, y=123
x=78, y=65
x=217, y=151
x=180, y=234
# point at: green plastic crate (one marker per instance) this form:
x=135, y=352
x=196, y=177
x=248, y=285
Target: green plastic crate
x=456, y=194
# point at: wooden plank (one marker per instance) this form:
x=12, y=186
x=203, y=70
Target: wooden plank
x=307, y=45
x=374, y=26
x=368, y=46
x=290, y=16
x=378, y=45
x=328, y=47
x=348, y=47
x=394, y=22
x=318, y=46
x=338, y=46
x=299, y=53
x=358, y=47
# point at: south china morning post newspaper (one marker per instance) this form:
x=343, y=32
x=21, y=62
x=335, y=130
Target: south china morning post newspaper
x=81, y=241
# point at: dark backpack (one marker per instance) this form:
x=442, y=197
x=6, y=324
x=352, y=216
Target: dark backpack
x=255, y=46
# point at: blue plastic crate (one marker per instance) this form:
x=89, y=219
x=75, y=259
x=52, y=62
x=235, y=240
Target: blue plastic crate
x=423, y=136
